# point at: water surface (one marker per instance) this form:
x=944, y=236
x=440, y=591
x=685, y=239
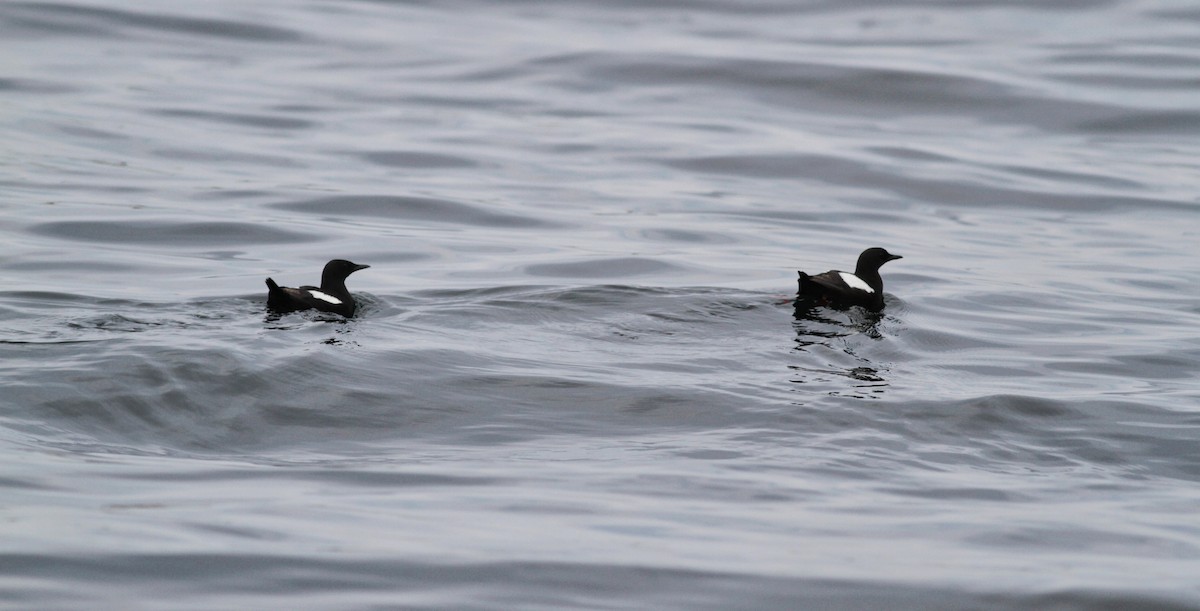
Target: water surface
x=576, y=379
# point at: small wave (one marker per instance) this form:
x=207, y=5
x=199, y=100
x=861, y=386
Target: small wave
x=75, y=20
x=411, y=208
x=184, y=233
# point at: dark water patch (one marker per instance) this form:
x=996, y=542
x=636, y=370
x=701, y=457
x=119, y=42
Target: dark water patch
x=1015, y=371
x=472, y=294
x=1158, y=286
x=411, y=208
x=811, y=219
x=77, y=19
x=909, y=153
x=352, y=476
x=225, y=531
x=13, y=483
x=1137, y=59
x=232, y=194
x=302, y=108
x=119, y=323
x=242, y=119
x=34, y=86
x=985, y=495
x=1138, y=83
x=682, y=235
x=38, y=300
x=1137, y=366
x=576, y=113
x=75, y=185
x=157, y=233
x=1095, y=180
x=91, y=133
x=996, y=411
x=225, y=157
x=223, y=255
x=1165, y=122
x=416, y=160
x=570, y=148
x=491, y=74
x=923, y=339
x=73, y=265
x=1175, y=14
x=603, y=268
x=468, y=102
x=793, y=166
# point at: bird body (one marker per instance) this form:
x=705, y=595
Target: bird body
x=331, y=296
x=842, y=289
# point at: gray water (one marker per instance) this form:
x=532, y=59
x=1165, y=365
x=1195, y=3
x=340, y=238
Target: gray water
x=576, y=379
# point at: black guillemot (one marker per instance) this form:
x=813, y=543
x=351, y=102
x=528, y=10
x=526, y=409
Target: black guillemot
x=331, y=296
x=842, y=289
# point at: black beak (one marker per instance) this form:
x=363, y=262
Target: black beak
x=892, y=257
x=358, y=267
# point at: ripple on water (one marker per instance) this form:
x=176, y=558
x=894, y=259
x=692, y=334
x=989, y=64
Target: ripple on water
x=416, y=159
x=273, y=121
x=77, y=20
x=411, y=208
x=158, y=233
x=603, y=268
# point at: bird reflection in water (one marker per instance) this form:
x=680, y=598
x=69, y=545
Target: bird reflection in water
x=829, y=335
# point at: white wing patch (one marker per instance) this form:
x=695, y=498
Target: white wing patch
x=336, y=301
x=855, y=282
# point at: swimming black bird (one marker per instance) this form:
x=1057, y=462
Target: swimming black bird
x=842, y=289
x=331, y=296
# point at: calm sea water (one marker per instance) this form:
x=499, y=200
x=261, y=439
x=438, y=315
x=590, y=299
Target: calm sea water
x=576, y=380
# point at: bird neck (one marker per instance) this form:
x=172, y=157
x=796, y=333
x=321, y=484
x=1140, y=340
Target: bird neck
x=870, y=276
x=334, y=285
